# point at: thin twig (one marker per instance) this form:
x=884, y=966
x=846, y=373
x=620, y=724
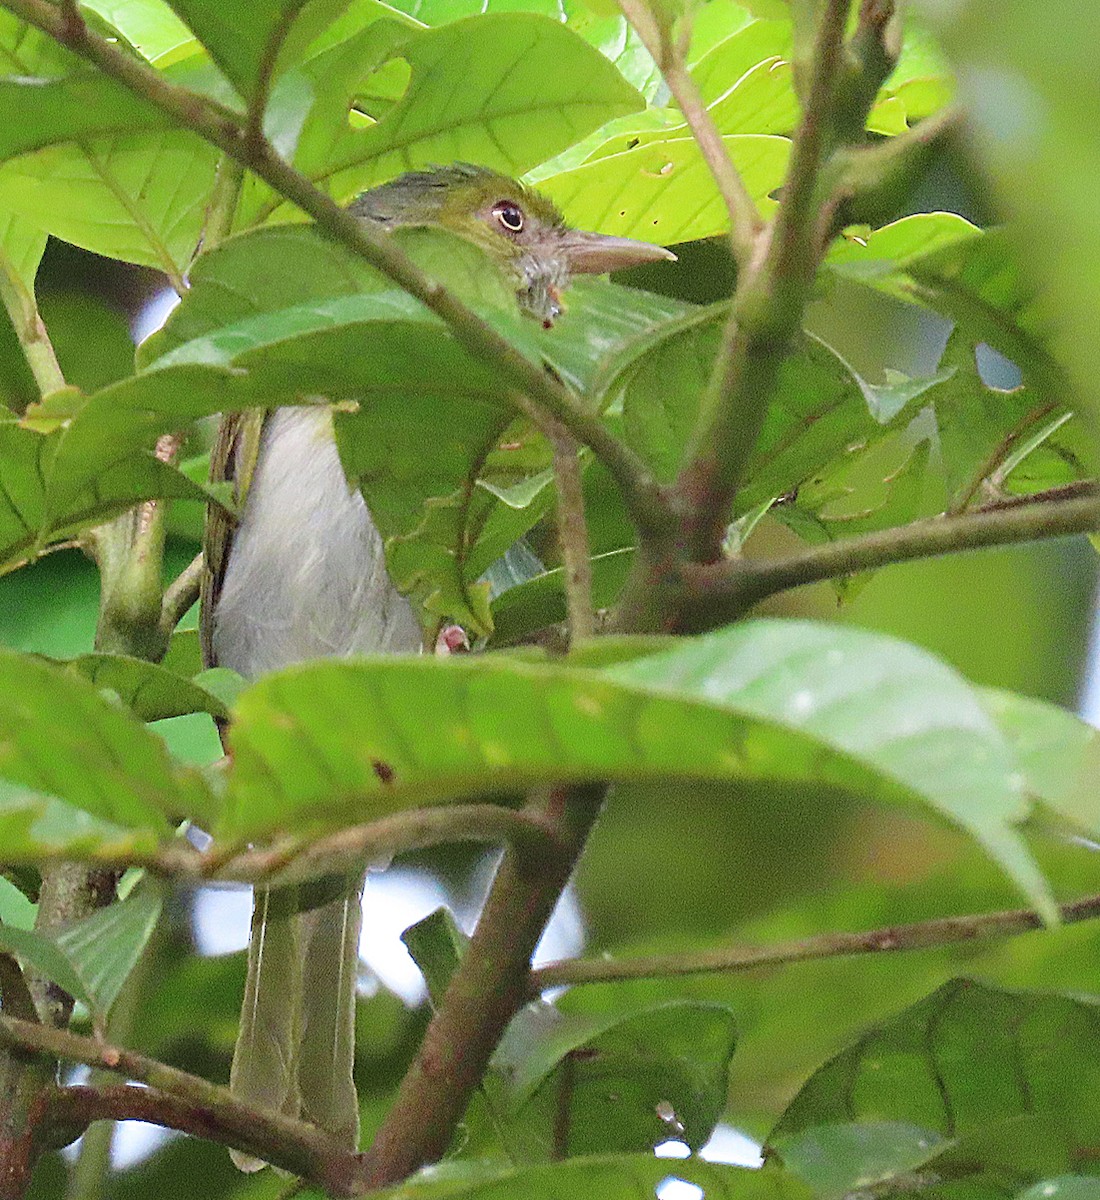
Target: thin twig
x=920, y=935
x=180, y=595
x=668, y=53
x=293, y=860
x=416, y=829
x=576, y=556
x=724, y=591
x=642, y=496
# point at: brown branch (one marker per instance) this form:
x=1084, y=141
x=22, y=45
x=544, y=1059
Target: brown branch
x=297, y=859
x=920, y=935
x=724, y=591
x=485, y=992
x=178, y=1100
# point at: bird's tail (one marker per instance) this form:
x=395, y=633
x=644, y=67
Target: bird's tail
x=265, y=1059
x=327, y=1058
x=296, y=1043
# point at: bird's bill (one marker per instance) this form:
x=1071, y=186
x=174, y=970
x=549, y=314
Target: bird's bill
x=597, y=253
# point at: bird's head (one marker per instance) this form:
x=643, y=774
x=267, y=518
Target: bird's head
x=511, y=222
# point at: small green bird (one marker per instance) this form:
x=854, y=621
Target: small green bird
x=302, y=575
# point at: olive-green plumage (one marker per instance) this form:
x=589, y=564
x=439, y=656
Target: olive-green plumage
x=301, y=575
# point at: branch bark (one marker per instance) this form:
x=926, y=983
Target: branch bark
x=724, y=591
x=175, y=1099
x=919, y=935
x=487, y=989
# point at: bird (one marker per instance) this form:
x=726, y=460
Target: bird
x=300, y=574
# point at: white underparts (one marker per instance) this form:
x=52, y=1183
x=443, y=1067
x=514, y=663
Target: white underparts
x=306, y=576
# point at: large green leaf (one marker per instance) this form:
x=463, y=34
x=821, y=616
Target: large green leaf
x=662, y=191
x=821, y=407
x=766, y=702
x=97, y=164
x=846, y=687
x=59, y=738
x=39, y=112
x=1010, y=1077
x=36, y=828
x=631, y=1078
x=150, y=27
x=507, y=90
x=92, y=957
x=1058, y=752
x=76, y=461
x=563, y=1084
x=141, y=197
x=250, y=38
x=976, y=279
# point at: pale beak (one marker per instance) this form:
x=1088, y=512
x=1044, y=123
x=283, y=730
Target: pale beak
x=597, y=253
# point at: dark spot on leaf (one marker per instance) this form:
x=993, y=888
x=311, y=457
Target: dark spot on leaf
x=383, y=770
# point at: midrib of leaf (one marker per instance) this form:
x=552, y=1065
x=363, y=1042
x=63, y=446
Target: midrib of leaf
x=139, y=219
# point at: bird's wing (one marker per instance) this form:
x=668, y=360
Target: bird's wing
x=233, y=459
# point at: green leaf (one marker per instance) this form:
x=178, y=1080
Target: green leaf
x=39, y=112
x=241, y=34
x=60, y=738
x=104, y=947
x=541, y=601
x=150, y=27
x=662, y=191
x=834, y=1160
x=974, y=279
x=631, y=1078
x=767, y=701
x=36, y=828
x=95, y=459
x=97, y=164
x=1019, y=68
x=622, y=1177
x=821, y=406
x=137, y=196
x=878, y=256
x=508, y=90
x=21, y=248
x=974, y=1063
x=151, y=692
x=41, y=955
x=967, y=1055
x=887, y=704
x=1058, y=752
x=731, y=59
x=1063, y=1187
x=90, y=958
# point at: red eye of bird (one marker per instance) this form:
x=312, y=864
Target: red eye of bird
x=509, y=216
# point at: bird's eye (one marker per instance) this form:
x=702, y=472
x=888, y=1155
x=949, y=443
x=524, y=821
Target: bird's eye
x=509, y=216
